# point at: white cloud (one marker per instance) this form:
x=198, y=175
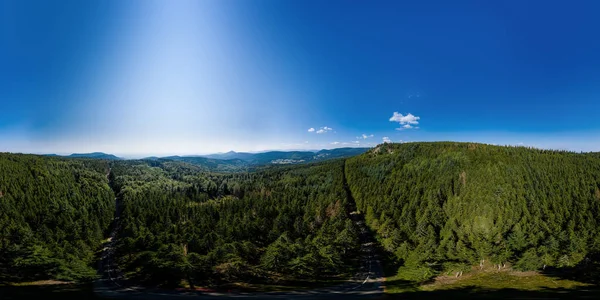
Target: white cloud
x=335, y=143
x=311, y=130
x=386, y=139
x=407, y=126
x=406, y=121
x=324, y=129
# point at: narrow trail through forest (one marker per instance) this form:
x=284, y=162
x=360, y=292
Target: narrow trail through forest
x=371, y=268
x=367, y=283
x=106, y=266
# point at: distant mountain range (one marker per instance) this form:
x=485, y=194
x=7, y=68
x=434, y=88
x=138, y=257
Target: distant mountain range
x=286, y=157
x=231, y=155
x=231, y=161
x=97, y=155
x=235, y=161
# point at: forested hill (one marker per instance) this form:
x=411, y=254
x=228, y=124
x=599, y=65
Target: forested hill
x=241, y=161
x=98, y=155
x=446, y=206
x=216, y=165
x=288, y=157
x=53, y=216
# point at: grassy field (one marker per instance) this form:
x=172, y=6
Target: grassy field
x=492, y=284
x=502, y=280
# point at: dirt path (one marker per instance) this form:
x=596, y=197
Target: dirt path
x=372, y=271
x=107, y=267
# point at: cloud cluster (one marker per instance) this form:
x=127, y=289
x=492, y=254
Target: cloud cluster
x=311, y=130
x=324, y=129
x=407, y=121
x=386, y=139
x=402, y=119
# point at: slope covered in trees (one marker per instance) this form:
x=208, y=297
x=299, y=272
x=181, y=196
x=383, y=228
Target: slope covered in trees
x=98, y=155
x=209, y=164
x=53, y=215
x=243, y=162
x=447, y=206
x=180, y=223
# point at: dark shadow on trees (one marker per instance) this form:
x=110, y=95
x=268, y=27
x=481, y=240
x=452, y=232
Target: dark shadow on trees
x=58, y=291
x=586, y=271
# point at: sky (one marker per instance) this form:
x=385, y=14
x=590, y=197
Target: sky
x=137, y=78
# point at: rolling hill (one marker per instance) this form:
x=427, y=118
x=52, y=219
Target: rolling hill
x=97, y=155
x=223, y=165
x=446, y=206
x=243, y=161
x=288, y=157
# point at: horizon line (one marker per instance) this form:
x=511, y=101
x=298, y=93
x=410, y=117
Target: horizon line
x=199, y=154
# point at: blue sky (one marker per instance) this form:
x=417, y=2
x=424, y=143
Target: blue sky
x=192, y=77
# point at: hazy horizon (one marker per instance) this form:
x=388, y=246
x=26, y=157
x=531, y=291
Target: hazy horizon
x=143, y=155
x=149, y=154
x=142, y=78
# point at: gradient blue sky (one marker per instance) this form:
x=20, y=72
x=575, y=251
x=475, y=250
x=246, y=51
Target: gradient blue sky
x=192, y=77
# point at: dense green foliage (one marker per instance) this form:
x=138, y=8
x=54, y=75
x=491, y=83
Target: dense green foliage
x=209, y=164
x=434, y=206
x=181, y=223
x=53, y=215
x=447, y=206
